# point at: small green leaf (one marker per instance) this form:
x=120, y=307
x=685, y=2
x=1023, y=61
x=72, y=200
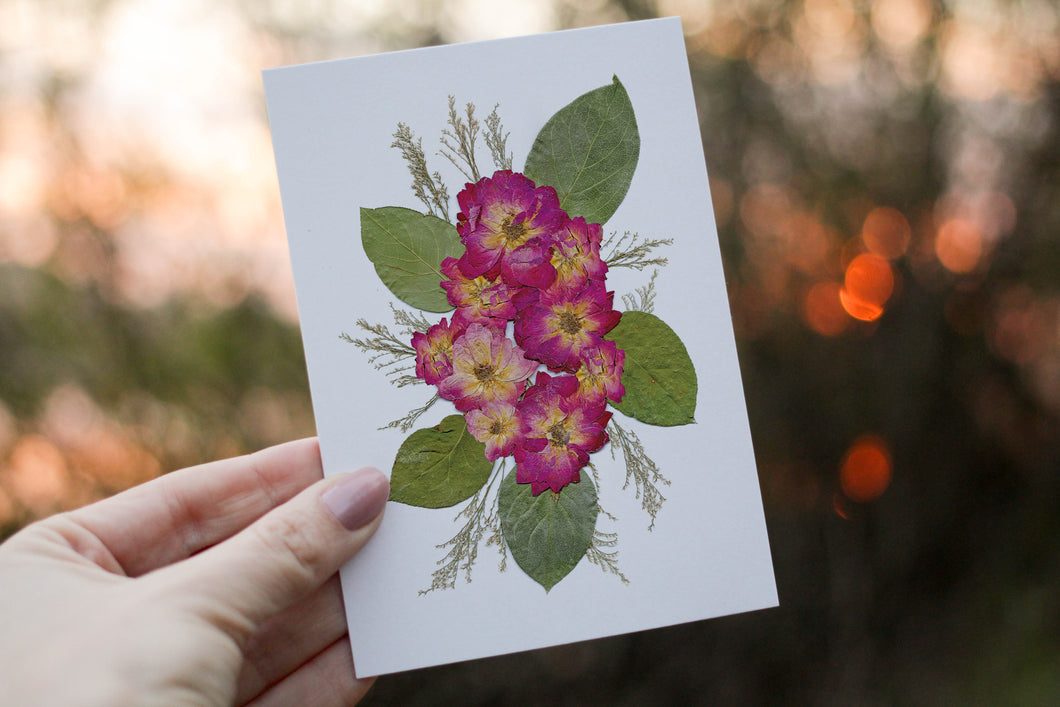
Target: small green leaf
x=588, y=152
x=659, y=377
x=550, y=533
x=438, y=467
x=407, y=248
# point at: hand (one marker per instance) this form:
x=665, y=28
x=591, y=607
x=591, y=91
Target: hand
x=213, y=585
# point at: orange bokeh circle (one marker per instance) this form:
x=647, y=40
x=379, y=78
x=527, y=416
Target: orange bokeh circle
x=866, y=469
x=869, y=278
x=823, y=309
x=886, y=232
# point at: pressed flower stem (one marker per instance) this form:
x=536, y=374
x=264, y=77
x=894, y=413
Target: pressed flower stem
x=497, y=140
x=428, y=188
x=630, y=250
x=463, y=547
x=458, y=140
x=640, y=469
x=405, y=423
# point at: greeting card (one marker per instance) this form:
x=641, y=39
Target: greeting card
x=512, y=300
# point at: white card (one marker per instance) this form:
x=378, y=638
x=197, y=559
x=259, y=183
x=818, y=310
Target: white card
x=558, y=402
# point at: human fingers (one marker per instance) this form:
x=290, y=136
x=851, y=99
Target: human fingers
x=180, y=513
x=280, y=558
x=291, y=638
x=326, y=681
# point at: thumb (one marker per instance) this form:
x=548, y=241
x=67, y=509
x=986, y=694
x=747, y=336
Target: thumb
x=285, y=554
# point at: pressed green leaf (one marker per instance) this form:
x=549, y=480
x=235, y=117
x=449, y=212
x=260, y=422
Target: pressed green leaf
x=407, y=248
x=588, y=152
x=440, y=466
x=548, y=534
x=659, y=377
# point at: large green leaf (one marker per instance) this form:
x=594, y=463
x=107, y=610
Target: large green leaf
x=438, y=467
x=548, y=534
x=659, y=377
x=407, y=248
x=588, y=152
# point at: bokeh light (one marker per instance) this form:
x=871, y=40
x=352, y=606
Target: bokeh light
x=36, y=474
x=866, y=470
x=869, y=278
x=824, y=311
x=900, y=24
x=886, y=232
x=959, y=245
x=858, y=308
x=867, y=285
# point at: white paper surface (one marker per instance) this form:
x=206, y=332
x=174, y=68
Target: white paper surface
x=708, y=554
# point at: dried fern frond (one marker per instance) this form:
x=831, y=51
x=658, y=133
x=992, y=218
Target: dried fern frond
x=462, y=549
x=386, y=351
x=600, y=551
x=428, y=188
x=412, y=322
x=646, y=295
x=458, y=140
x=497, y=140
x=640, y=469
x=405, y=423
x=630, y=250
x=602, y=554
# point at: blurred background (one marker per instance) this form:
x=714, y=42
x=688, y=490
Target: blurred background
x=886, y=178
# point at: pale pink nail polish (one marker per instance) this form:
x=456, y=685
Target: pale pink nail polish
x=358, y=498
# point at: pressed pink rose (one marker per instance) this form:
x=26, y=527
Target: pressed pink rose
x=524, y=298
x=546, y=390
x=500, y=214
x=530, y=265
x=464, y=317
x=560, y=431
x=548, y=466
x=487, y=367
x=434, y=351
x=557, y=329
x=498, y=425
x=600, y=375
x=576, y=256
x=477, y=298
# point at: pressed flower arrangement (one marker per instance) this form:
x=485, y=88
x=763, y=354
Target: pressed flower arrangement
x=532, y=353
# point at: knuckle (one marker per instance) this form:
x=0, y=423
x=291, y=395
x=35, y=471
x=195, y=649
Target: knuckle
x=296, y=543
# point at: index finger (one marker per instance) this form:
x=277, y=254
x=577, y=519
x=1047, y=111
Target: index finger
x=180, y=513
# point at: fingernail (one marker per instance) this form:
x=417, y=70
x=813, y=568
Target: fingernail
x=358, y=498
